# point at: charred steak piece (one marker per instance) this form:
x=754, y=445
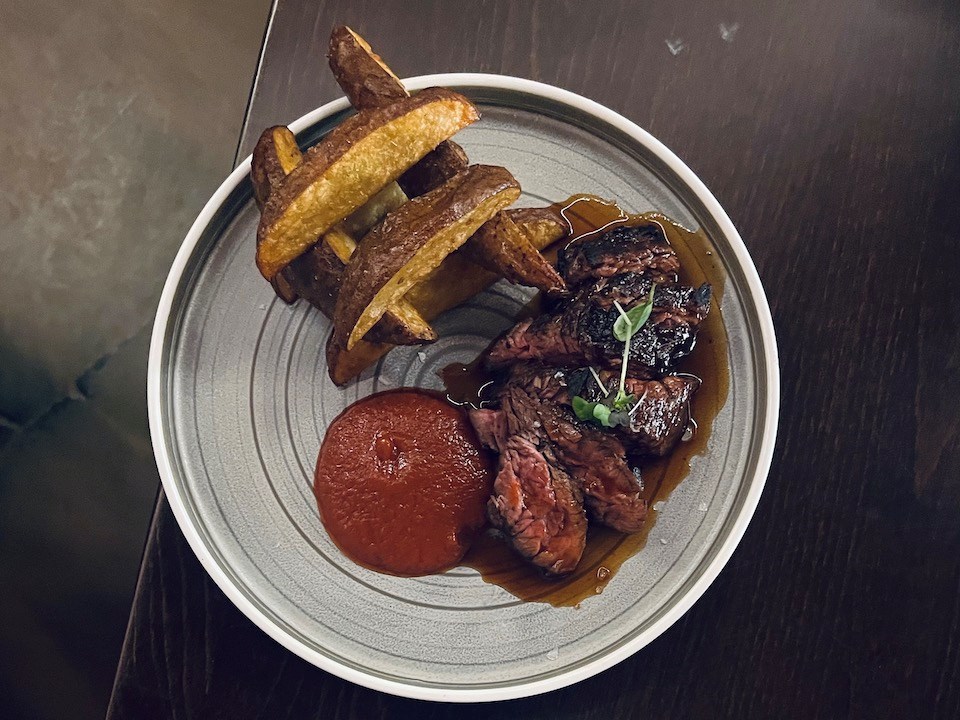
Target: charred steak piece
x=596, y=460
x=536, y=505
x=597, y=463
x=534, y=404
x=639, y=249
x=662, y=408
x=534, y=502
x=581, y=333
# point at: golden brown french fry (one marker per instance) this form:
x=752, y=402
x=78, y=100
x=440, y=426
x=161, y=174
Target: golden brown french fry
x=412, y=241
x=316, y=275
x=501, y=246
x=363, y=76
x=453, y=283
x=402, y=324
x=275, y=156
x=368, y=82
x=349, y=166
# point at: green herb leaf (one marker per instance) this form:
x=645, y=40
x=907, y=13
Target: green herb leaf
x=633, y=319
x=582, y=408
x=601, y=414
x=592, y=411
x=613, y=410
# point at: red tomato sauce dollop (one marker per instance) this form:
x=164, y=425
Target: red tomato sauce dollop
x=402, y=483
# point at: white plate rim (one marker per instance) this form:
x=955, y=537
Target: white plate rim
x=755, y=483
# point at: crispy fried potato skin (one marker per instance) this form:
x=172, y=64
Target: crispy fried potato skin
x=541, y=226
x=283, y=288
x=501, y=246
x=274, y=157
x=414, y=240
x=316, y=275
x=344, y=365
x=365, y=78
x=350, y=165
x=368, y=82
x=454, y=282
x=436, y=167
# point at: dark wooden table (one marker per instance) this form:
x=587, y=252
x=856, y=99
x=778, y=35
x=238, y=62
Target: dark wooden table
x=830, y=131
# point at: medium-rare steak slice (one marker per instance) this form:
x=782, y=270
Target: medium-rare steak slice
x=639, y=249
x=596, y=460
x=597, y=463
x=534, y=503
x=534, y=405
x=581, y=333
x=536, y=506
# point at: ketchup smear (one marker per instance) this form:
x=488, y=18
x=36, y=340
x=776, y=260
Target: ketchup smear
x=402, y=483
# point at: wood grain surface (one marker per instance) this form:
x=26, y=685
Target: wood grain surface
x=830, y=132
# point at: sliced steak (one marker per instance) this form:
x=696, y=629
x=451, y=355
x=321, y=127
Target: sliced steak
x=543, y=338
x=490, y=426
x=536, y=506
x=581, y=333
x=597, y=463
x=534, y=402
x=662, y=408
x=534, y=503
x=639, y=249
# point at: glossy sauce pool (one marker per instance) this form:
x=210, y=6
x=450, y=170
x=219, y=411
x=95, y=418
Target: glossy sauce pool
x=607, y=549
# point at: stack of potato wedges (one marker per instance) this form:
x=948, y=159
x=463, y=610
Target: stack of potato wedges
x=384, y=224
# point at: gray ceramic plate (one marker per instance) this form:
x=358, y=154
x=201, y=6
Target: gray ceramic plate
x=239, y=401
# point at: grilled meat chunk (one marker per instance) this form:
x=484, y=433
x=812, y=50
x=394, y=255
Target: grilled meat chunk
x=534, y=503
x=537, y=506
x=639, y=249
x=596, y=460
x=581, y=332
x=534, y=405
x=552, y=465
x=662, y=408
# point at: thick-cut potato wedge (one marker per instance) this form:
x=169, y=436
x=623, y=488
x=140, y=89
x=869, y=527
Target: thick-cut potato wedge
x=402, y=320
x=453, y=283
x=501, y=246
x=364, y=77
x=349, y=166
x=344, y=365
x=541, y=226
x=275, y=156
x=412, y=241
x=316, y=275
x=436, y=167
x=368, y=82
x=310, y=277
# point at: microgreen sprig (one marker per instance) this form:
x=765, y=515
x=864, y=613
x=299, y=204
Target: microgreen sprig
x=612, y=411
